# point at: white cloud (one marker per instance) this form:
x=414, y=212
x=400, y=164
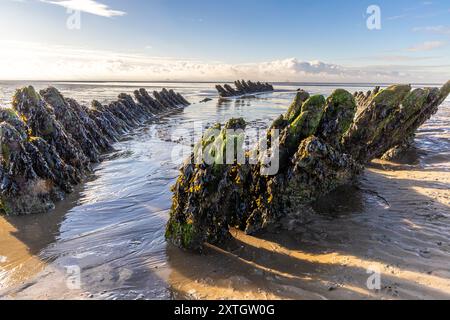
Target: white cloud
x=401, y=58
x=433, y=29
x=400, y=16
x=88, y=6
x=427, y=46
x=34, y=61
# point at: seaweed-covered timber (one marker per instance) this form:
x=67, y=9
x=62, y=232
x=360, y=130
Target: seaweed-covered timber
x=324, y=143
x=49, y=142
x=243, y=88
x=396, y=152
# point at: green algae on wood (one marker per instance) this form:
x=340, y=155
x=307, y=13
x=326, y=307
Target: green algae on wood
x=48, y=143
x=325, y=146
x=307, y=121
x=393, y=116
x=296, y=107
x=202, y=206
x=309, y=118
x=338, y=116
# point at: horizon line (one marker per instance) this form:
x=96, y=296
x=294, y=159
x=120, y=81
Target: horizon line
x=226, y=81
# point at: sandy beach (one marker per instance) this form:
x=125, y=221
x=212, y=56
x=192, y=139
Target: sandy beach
x=394, y=221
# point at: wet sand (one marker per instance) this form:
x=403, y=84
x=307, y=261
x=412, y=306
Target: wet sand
x=395, y=220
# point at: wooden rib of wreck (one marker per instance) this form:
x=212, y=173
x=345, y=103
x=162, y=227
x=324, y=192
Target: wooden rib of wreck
x=399, y=150
x=49, y=142
x=242, y=88
x=324, y=143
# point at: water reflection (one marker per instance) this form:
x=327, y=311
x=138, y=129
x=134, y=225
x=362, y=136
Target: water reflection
x=113, y=228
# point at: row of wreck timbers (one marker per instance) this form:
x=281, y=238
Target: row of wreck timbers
x=49, y=143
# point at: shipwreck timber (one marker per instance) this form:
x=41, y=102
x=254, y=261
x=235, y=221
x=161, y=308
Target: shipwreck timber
x=243, y=88
x=324, y=143
x=49, y=142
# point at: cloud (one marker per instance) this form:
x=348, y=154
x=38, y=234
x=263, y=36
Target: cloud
x=88, y=6
x=427, y=46
x=35, y=61
x=397, y=17
x=401, y=58
x=411, y=12
x=433, y=29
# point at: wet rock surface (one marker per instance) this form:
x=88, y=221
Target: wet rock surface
x=389, y=118
x=49, y=143
x=323, y=144
x=243, y=87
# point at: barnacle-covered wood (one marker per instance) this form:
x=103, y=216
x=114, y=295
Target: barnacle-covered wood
x=324, y=143
x=49, y=143
x=243, y=87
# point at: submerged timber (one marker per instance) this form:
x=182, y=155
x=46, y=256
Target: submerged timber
x=49, y=142
x=243, y=88
x=325, y=143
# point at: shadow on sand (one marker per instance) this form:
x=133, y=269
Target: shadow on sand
x=385, y=224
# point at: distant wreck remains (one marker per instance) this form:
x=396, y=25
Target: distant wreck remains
x=48, y=142
x=324, y=143
x=243, y=88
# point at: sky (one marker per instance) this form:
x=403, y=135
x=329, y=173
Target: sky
x=221, y=40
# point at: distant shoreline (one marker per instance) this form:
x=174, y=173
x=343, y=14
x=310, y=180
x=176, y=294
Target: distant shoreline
x=323, y=84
